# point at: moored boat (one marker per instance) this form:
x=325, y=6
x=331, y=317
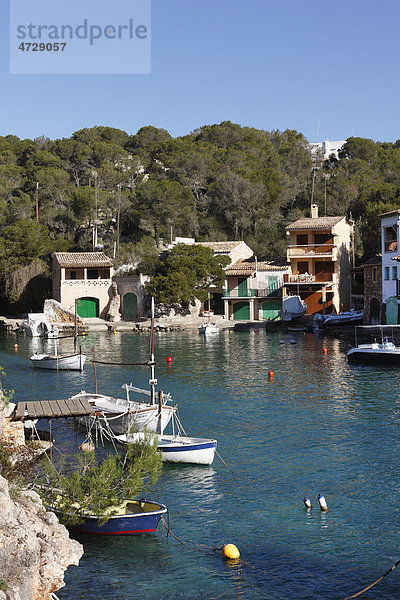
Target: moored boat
x=293, y=307
x=385, y=353
x=73, y=362
x=121, y=415
x=178, y=448
x=208, y=328
x=350, y=317
x=131, y=517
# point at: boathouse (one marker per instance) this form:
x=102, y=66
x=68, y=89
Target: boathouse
x=254, y=289
x=84, y=278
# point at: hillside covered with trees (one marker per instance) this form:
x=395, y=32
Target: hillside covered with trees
x=220, y=182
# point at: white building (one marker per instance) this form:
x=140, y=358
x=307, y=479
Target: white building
x=85, y=277
x=390, y=243
x=327, y=148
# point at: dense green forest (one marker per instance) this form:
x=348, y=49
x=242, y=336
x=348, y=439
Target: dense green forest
x=220, y=182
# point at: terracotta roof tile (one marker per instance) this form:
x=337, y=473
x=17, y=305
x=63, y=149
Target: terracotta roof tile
x=222, y=247
x=318, y=223
x=248, y=266
x=82, y=259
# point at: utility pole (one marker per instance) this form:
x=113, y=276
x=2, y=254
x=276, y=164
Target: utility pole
x=37, y=202
x=118, y=214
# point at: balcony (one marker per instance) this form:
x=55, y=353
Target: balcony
x=312, y=250
x=303, y=279
x=270, y=292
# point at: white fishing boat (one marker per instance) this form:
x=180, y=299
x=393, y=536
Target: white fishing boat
x=122, y=415
x=208, y=328
x=125, y=415
x=293, y=307
x=54, y=362
x=177, y=448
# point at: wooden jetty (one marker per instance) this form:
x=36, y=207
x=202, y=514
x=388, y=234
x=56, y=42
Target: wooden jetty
x=51, y=409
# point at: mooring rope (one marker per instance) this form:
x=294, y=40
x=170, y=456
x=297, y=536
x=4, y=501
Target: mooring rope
x=122, y=364
x=374, y=583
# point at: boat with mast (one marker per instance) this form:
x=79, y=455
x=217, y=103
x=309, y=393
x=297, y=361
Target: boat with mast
x=123, y=415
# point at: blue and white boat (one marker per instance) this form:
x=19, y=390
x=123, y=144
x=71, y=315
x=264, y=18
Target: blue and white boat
x=177, y=448
x=131, y=517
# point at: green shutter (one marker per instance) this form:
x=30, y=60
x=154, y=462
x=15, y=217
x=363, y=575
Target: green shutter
x=241, y=311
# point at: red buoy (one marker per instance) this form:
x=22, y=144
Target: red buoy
x=169, y=360
x=270, y=374
x=324, y=351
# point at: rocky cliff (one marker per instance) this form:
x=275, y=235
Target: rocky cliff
x=35, y=549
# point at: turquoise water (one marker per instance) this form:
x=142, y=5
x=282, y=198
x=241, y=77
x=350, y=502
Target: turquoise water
x=321, y=426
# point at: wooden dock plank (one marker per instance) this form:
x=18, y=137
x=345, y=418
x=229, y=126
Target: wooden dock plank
x=52, y=409
x=85, y=407
x=20, y=409
x=65, y=407
x=56, y=412
x=46, y=407
x=35, y=409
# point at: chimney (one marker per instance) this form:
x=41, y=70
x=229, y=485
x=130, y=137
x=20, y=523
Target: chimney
x=314, y=211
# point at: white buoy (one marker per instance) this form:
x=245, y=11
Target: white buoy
x=322, y=503
x=281, y=341
x=293, y=341
x=307, y=502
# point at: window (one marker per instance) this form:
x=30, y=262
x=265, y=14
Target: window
x=374, y=275
x=72, y=274
x=92, y=274
x=390, y=238
x=387, y=273
x=302, y=239
x=394, y=272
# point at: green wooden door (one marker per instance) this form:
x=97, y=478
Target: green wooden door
x=242, y=286
x=88, y=307
x=392, y=311
x=271, y=310
x=241, y=311
x=272, y=283
x=129, y=306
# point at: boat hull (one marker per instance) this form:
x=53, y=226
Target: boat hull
x=121, y=417
x=135, y=523
x=209, y=328
x=199, y=452
x=179, y=449
x=374, y=357
x=74, y=362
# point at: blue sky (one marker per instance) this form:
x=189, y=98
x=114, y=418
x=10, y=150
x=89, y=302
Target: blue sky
x=267, y=64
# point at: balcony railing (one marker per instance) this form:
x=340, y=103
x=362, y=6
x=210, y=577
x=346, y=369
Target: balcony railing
x=270, y=292
x=312, y=250
x=304, y=279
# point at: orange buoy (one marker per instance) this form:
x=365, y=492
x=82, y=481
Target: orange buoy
x=16, y=346
x=324, y=351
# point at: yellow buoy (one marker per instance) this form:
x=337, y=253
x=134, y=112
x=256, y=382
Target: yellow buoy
x=230, y=551
x=114, y=332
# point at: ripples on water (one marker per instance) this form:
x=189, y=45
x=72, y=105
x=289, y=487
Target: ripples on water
x=320, y=425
